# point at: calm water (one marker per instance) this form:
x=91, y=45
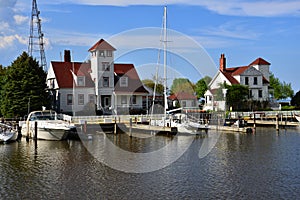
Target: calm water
x=261, y=166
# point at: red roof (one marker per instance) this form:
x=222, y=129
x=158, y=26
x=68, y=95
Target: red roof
x=102, y=45
x=134, y=83
x=64, y=75
x=260, y=61
x=182, y=96
x=229, y=73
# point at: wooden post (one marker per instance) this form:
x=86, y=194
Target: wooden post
x=130, y=127
x=115, y=126
x=277, y=122
x=35, y=130
x=254, y=125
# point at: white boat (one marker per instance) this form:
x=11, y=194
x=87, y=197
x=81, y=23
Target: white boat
x=181, y=122
x=297, y=117
x=8, y=133
x=47, y=124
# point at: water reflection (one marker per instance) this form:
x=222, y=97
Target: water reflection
x=261, y=166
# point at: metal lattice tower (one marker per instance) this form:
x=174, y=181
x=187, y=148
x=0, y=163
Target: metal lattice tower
x=36, y=38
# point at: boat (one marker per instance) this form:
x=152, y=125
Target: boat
x=48, y=126
x=8, y=133
x=179, y=123
x=297, y=117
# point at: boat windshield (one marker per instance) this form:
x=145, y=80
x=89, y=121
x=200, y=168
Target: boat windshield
x=42, y=116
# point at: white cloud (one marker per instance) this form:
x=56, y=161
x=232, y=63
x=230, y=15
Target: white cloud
x=19, y=19
x=264, y=8
x=8, y=41
x=237, y=30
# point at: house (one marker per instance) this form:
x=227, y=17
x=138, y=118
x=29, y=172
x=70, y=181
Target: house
x=183, y=100
x=256, y=76
x=97, y=84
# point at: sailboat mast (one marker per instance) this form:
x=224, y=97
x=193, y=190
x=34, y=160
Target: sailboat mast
x=165, y=61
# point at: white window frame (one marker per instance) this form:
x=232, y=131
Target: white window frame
x=80, y=81
x=80, y=99
x=123, y=81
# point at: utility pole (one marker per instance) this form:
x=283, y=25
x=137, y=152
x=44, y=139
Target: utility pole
x=36, y=38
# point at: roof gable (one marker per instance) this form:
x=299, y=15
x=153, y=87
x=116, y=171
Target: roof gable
x=63, y=73
x=182, y=96
x=102, y=45
x=259, y=61
x=134, y=83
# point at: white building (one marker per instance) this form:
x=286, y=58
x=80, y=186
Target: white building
x=255, y=75
x=99, y=83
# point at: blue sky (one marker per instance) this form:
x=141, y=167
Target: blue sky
x=242, y=29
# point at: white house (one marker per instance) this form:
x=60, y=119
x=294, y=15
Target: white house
x=255, y=75
x=112, y=88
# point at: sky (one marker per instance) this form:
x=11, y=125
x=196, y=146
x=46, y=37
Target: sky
x=198, y=32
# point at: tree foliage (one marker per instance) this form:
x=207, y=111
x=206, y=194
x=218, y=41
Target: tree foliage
x=236, y=96
x=201, y=86
x=150, y=83
x=182, y=85
x=24, y=85
x=282, y=90
x=296, y=100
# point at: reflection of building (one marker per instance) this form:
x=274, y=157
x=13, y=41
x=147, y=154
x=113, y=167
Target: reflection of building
x=111, y=88
x=255, y=76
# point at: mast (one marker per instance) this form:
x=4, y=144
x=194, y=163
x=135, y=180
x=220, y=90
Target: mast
x=165, y=61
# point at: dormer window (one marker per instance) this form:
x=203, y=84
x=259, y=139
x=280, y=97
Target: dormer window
x=101, y=53
x=109, y=53
x=124, y=81
x=81, y=81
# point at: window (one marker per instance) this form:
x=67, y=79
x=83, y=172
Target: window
x=260, y=93
x=124, y=81
x=105, y=66
x=106, y=101
x=105, y=82
x=246, y=80
x=81, y=81
x=101, y=53
x=91, y=98
x=250, y=93
x=133, y=99
x=69, y=99
x=183, y=103
x=109, y=53
x=255, y=81
x=123, y=99
x=80, y=99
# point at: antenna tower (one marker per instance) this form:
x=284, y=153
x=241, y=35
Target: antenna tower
x=36, y=38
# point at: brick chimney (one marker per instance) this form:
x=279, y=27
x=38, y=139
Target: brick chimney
x=67, y=56
x=222, y=63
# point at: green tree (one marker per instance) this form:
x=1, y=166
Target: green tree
x=25, y=84
x=296, y=100
x=149, y=83
x=282, y=90
x=236, y=96
x=201, y=86
x=182, y=85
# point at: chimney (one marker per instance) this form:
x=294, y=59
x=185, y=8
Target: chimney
x=67, y=56
x=222, y=63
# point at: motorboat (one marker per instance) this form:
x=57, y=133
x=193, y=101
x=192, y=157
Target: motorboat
x=46, y=125
x=8, y=133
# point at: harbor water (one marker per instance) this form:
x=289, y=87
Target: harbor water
x=265, y=165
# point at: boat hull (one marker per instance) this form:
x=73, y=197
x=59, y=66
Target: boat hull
x=8, y=136
x=47, y=132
